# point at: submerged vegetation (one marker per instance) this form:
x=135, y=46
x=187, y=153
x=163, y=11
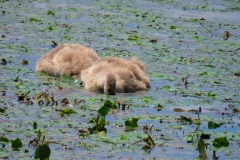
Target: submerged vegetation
x=192, y=59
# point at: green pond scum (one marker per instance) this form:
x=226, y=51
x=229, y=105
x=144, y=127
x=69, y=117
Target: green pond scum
x=190, y=48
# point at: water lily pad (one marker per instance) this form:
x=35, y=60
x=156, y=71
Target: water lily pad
x=237, y=73
x=34, y=20
x=209, y=94
x=133, y=37
x=34, y=125
x=147, y=99
x=51, y=13
x=4, y=139
x=203, y=74
x=220, y=142
x=166, y=88
x=186, y=119
x=110, y=104
x=2, y=110
x=17, y=143
x=131, y=122
x=42, y=151
x=212, y=125
x=67, y=111
x=173, y=27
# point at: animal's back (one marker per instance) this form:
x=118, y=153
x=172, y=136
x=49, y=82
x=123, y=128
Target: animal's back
x=68, y=59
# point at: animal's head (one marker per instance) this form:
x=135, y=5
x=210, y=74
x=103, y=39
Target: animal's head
x=139, y=64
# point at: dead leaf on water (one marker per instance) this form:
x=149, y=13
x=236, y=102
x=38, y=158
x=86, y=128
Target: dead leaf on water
x=178, y=110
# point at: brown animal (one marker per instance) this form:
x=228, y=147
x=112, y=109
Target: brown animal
x=69, y=59
x=110, y=75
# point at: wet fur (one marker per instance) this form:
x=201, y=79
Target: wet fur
x=115, y=75
x=69, y=59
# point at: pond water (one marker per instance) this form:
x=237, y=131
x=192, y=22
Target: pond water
x=186, y=12
x=176, y=40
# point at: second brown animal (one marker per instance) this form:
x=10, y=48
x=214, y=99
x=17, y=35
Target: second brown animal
x=115, y=75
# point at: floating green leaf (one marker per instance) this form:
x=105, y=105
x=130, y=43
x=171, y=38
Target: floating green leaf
x=147, y=99
x=186, y=119
x=67, y=111
x=2, y=110
x=51, y=13
x=85, y=107
x=209, y=94
x=166, y=88
x=203, y=73
x=133, y=37
x=123, y=137
x=51, y=28
x=66, y=77
x=237, y=73
x=172, y=27
x=195, y=37
x=110, y=104
x=42, y=151
x=34, y=125
x=34, y=20
x=4, y=139
x=194, y=20
x=220, y=142
x=17, y=143
x=65, y=37
x=131, y=122
x=213, y=125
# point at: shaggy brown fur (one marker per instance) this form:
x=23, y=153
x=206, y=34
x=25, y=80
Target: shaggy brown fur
x=69, y=59
x=111, y=75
